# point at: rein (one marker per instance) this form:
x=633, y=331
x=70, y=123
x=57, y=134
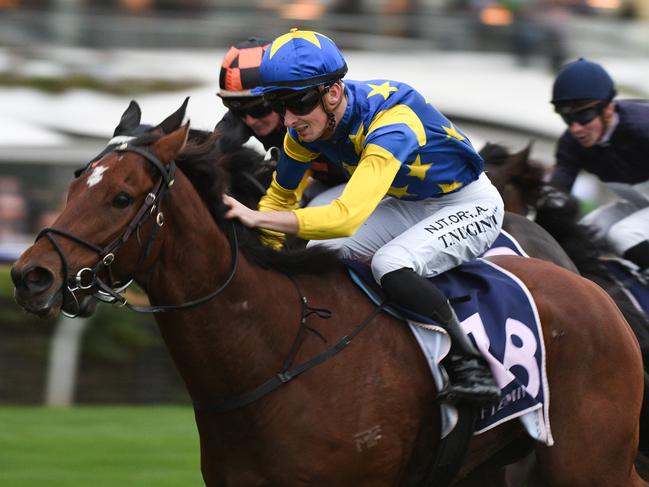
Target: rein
x=112, y=292
x=287, y=374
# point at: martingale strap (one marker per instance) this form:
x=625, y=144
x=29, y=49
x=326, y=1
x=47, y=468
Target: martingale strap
x=286, y=375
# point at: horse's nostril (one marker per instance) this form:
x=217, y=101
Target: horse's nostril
x=16, y=277
x=35, y=280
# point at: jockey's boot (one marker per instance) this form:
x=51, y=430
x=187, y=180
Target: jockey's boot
x=639, y=255
x=470, y=377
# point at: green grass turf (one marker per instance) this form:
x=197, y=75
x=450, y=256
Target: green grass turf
x=98, y=446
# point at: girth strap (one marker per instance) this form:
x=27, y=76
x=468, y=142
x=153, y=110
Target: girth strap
x=452, y=448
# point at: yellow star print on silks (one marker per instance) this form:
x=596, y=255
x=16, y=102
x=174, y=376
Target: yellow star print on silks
x=357, y=139
x=447, y=188
x=399, y=192
x=385, y=89
x=349, y=167
x=452, y=132
x=417, y=169
x=307, y=35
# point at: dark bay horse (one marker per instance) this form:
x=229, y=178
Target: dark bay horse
x=230, y=314
x=520, y=181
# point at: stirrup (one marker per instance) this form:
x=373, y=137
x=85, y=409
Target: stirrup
x=470, y=380
x=482, y=395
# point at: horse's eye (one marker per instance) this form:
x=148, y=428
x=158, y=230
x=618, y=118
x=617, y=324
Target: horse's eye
x=122, y=200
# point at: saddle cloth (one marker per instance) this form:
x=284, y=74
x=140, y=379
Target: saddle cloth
x=500, y=317
x=626, y=275
x=505, y=244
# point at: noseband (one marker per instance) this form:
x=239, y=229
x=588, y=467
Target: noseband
x=111, y=291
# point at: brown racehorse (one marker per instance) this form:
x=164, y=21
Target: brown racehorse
x=124, y=214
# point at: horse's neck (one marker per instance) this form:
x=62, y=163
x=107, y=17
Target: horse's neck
x=234, y=339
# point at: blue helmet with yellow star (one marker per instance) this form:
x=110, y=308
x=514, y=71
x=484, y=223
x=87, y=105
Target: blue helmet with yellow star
x=300, y=59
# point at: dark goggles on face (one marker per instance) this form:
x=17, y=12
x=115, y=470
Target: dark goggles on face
x=300, y=103
x=257, y=108
x=583, y=116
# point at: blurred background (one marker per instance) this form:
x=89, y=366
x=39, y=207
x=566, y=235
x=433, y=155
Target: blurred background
x=68, y=69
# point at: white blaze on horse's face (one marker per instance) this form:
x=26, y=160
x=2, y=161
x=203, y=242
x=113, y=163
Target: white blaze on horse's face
x=96, y=175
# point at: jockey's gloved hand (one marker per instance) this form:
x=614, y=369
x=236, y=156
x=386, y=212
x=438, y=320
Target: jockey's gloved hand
x=272, y=239
x=553, y=198
x=272, y=155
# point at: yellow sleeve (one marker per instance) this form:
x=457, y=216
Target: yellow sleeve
x=296, y=151
x=272, y=239
x=278, y=198
x=365, y=189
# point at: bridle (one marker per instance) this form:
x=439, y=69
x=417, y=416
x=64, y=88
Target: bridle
x=113, y=292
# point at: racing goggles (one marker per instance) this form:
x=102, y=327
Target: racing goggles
x=583, y=116
x=256, y=107
x=300, y=103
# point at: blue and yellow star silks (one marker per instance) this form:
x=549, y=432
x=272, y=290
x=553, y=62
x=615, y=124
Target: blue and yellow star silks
x=383, y=89
x=417, y=169
x=307, y=35
x=390, y=141
x=452, y=132
x=299, y=59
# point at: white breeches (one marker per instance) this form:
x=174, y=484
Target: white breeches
x=623, y=223
x=429, y=236
x=321, y=195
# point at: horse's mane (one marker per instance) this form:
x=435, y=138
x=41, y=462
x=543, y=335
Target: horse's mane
x=215, y=168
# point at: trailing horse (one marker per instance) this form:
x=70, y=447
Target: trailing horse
x=525, y=192
x=521, y=182
x=233, y=314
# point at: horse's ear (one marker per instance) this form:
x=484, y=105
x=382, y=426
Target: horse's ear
x=169, y=146
x=130, y=119
x=175, y=120
x=518, y=162
x=525, y=153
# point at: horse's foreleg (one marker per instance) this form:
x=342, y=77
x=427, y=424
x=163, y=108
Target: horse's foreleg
x=491, y=478
x=524, y=473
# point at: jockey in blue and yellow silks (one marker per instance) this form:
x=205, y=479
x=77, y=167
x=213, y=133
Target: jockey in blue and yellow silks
x=417, y=202
x=391, y=122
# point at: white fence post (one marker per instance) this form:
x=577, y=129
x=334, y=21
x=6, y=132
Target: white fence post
x=63, y=361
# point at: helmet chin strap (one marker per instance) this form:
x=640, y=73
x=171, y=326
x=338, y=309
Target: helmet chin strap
x=331, y=118
x=606, y=123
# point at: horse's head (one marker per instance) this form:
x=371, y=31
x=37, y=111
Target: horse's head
x=518, y=179
x=107, y=231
